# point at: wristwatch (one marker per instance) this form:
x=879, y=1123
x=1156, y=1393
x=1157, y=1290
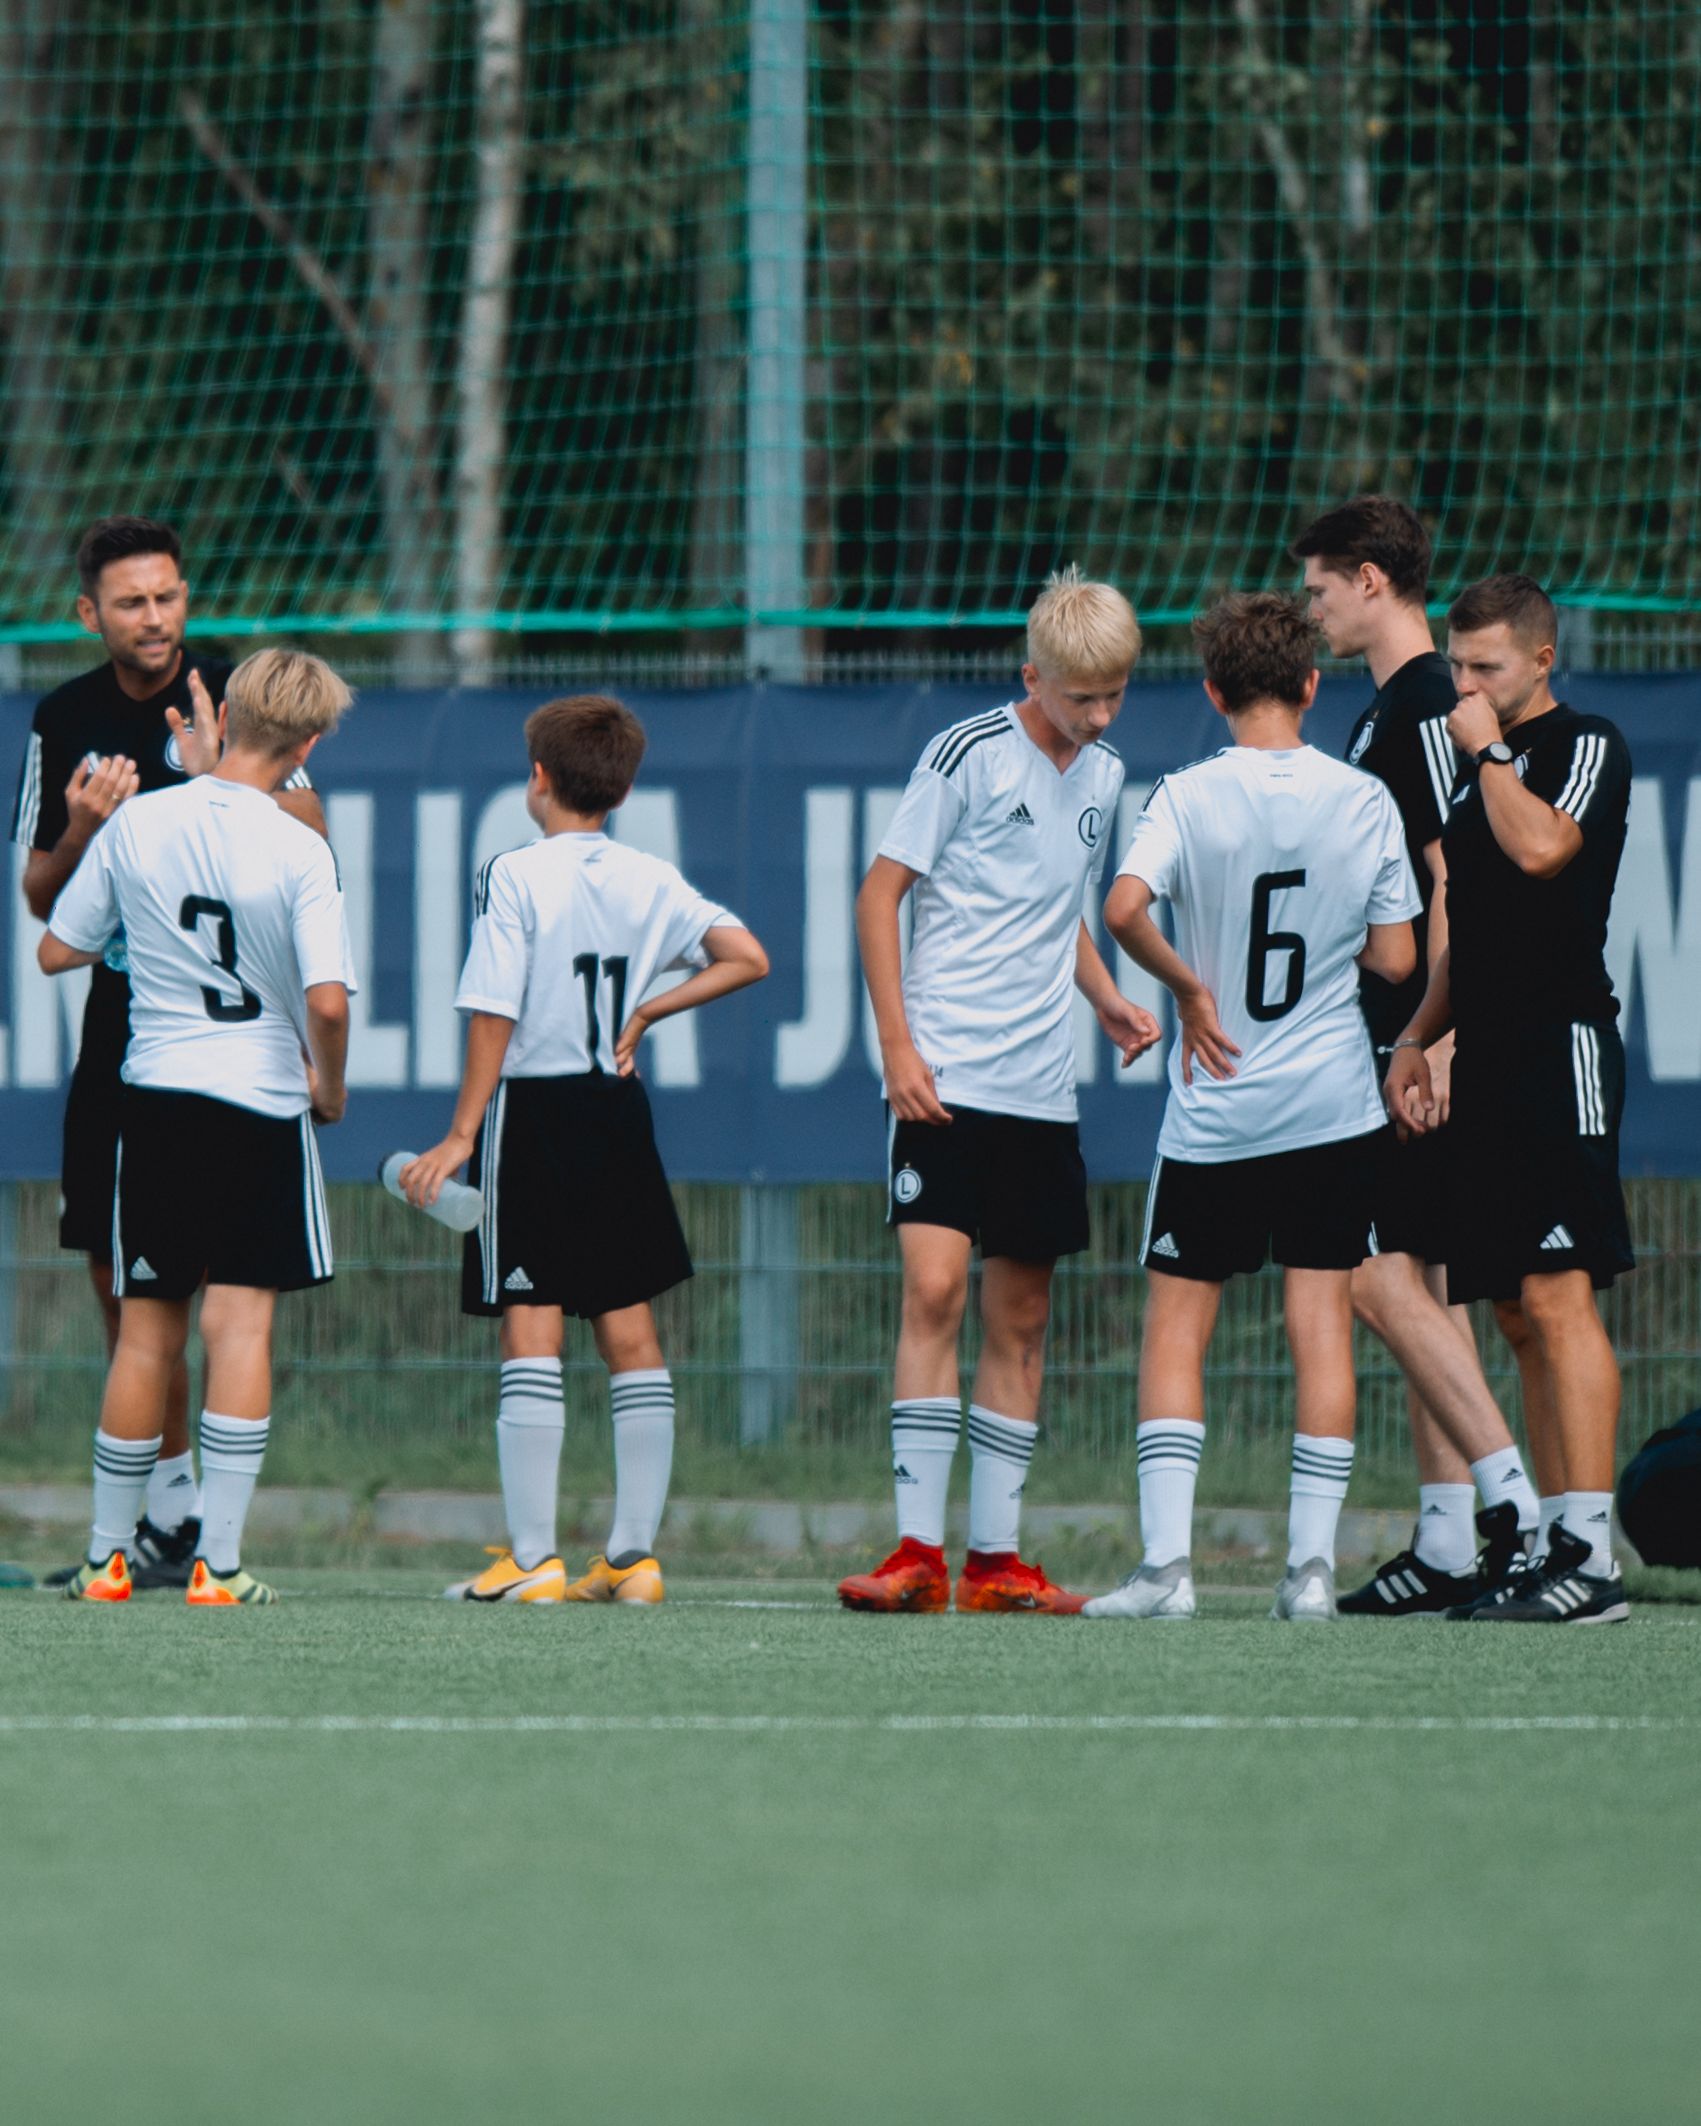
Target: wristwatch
x=1499, y=752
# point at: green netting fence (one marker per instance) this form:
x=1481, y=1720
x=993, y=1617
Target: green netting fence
x=782, y=1353
x=516, y=314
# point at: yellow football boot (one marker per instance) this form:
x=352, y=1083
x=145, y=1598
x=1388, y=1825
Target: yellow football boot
x=225, y=1590
x=639, y=1580
x=504, y=1581
x=108, y=1582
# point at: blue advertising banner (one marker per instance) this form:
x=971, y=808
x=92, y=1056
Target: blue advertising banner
x=772, y=799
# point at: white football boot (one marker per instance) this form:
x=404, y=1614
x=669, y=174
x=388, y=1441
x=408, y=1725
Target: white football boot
x=1307, y=1594
x=1161, y=1592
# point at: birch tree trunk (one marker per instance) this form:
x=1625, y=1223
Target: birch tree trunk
x=482, y=382
x=37, y=210
x=398, y=182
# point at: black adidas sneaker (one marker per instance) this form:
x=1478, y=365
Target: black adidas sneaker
x=162, y=1558
x=1559, y=1591
x=1407, y=1587
x=1503, y=1564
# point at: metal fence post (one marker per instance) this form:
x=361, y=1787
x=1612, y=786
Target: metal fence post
x=776, y=242
x=768, y=1295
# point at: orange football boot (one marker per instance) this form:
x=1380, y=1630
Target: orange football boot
x=107, y=1582
x=997, y=1580
x=912, y=1579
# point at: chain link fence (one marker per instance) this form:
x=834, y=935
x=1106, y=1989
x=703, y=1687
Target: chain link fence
x=782, y=1347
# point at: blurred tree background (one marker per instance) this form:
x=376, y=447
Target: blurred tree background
x=445, y=309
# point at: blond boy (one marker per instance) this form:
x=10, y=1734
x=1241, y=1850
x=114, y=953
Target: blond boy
x=999, y=834
x=232, y=917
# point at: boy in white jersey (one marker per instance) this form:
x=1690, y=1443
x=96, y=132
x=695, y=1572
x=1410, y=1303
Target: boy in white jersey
x=568, y=936
x=232, y=915
x=1287, y=872
x=999, y=834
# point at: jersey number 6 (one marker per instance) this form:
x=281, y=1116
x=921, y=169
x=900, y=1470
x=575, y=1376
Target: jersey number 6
x=1265, y=941
x=227, y=1010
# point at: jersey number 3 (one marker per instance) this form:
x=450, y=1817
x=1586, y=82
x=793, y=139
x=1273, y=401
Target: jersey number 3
x=1265, y=942
x=195, y=910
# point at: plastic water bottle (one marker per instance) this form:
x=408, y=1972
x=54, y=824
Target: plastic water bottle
x=457, y=1206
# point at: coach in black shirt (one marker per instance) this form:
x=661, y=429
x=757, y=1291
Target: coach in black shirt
x=1532, y=845
x=130, y=725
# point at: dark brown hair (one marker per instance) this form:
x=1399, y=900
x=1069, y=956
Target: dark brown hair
x=1518, y=600
x=1257, y=646
x=116, y=539
x=1380, y=529
x=589, y=745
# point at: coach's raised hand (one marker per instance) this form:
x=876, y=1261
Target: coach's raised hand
x=95, y=792
x=199, y=743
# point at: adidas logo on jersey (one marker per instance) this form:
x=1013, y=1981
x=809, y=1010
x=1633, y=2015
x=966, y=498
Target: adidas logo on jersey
x=516, y=1281
x=1559, y=1238
x=1165, y=1246
x=144, y=1269
x=1021, y=817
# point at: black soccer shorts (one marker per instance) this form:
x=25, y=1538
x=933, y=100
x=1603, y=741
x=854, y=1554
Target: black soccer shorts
x=1533, y=1177
x=210, y=1192
x=577, y=1209
x=89, y=1156
x=1413, y=1204
x=1306, y=1210
x=1014, y=1185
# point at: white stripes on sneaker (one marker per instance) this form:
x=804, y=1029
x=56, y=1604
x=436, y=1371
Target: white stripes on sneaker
x=316, y=1219
x=1586, y=1077
x=1565, y=1596
x=1400, y=1586
x=1588, y=757
x=490, y=1178
x=1440, y=759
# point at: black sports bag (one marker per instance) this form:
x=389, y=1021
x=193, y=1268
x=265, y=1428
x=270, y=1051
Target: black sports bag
x=1659, y=1496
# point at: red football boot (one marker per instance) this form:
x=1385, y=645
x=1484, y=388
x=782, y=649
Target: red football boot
x=997, y=1580
x=913, y=1579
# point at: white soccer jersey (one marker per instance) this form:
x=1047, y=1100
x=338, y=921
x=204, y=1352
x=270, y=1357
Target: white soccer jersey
x=231, y=911
x=568, y=935
x=1006, y=847
x=1275, y=864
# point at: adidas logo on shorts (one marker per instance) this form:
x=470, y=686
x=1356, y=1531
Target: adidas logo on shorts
x=1165, y=1246
x=1021, y=817
x=516, y=1281
x=144, y=1269
x=1559, y=1238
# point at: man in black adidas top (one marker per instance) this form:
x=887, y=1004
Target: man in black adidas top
x=130, y=725
x=1533, y=841
x=1367, y=579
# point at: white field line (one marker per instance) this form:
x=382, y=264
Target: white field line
x=829, y=1723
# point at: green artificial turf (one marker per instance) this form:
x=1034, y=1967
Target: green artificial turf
x=845, y=1913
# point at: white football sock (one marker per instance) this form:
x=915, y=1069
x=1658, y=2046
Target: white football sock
x=1501, y=1476
x=1446, y=1529
x=1000, y=1449
x=1317, y=1488
x=530, y=1425
x=1166, y=1451
x=643, y=1457
x=925, y=1430
x=121, y=1471
x=232, y=1449
x=1588, y=1516
x=1550, y=1511
x=173, y=1494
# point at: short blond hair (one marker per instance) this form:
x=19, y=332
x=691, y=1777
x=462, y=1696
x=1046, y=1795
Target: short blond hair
x=1082, y=630
x=277, y=698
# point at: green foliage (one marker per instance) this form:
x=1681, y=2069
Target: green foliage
x=1140, y=286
